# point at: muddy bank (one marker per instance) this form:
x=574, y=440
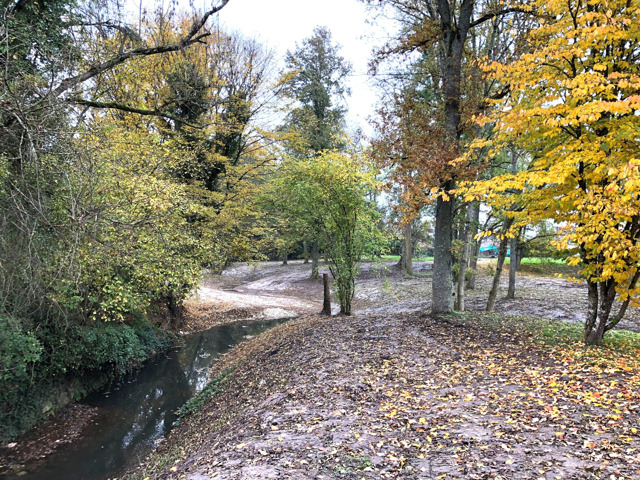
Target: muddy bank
x=406, y=397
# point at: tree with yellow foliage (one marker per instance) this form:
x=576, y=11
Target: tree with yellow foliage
x=574, y=107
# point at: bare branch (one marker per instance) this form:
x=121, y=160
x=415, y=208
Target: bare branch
x=190, y=38
x=490, y=15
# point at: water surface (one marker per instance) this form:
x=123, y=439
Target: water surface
x=139, y=412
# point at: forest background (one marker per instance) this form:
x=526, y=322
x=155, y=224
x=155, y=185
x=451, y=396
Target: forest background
x=134, y=154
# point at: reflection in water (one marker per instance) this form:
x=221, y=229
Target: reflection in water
x=140, y=411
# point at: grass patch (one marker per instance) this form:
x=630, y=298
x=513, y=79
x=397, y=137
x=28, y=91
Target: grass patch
x=542, y=266
x=620, y=348
x=563, y=333
x=388, y=258
x=540, y=261
x=211, y=390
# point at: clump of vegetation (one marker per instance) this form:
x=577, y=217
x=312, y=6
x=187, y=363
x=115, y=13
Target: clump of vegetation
x=42, y=369
x=201, y=398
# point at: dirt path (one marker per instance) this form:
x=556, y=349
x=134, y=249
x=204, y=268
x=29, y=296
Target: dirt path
x=382, y=288
x=407, y=397
x=394, y=393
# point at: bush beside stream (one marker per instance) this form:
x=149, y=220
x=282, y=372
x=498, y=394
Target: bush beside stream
x=45, y=368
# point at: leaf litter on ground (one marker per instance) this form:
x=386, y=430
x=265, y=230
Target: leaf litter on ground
x=470, y=396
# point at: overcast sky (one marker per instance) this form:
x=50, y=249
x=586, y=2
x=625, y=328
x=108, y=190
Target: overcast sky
x=280, y=24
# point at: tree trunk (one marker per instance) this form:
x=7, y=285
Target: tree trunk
x=454, y=36
x=407, y=263
x=314, y=260
x=519, y=257
x=513, y=258
x=600, y=301
x=513, y=264
x=442, y=284
x=305, y=251
x=502, y=253
x=326, y=303
x=285, y=257
x=464, y=257
x=475, y=246
x=174, y=306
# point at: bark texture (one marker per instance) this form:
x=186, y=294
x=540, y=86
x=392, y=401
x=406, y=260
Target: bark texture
x=326, y=302
x=464, y=258
x=407, y=262
x=513, y=265
x=475, y=246
x=315, y=260
x=442, y=285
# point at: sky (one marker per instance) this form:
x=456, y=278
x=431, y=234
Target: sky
x=280, y=24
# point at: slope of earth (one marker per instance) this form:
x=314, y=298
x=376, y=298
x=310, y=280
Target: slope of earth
x=410, y=396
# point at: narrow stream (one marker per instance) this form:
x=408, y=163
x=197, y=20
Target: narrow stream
x=138, y=413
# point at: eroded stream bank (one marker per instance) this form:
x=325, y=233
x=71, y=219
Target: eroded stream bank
x=136, y=415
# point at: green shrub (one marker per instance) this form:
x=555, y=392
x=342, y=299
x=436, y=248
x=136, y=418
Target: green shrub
x=19, y=353
x=43, y=369
x=194, y=404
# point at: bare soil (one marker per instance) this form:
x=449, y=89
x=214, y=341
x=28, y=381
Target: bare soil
x=394, y=393
x=316, y=398
x=383, y=288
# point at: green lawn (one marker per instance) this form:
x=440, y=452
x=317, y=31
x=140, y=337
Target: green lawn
x=397, y=258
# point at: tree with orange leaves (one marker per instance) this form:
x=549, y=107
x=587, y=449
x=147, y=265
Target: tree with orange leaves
x=425, y=134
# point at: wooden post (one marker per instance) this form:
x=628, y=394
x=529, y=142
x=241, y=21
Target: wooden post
x=326, y=305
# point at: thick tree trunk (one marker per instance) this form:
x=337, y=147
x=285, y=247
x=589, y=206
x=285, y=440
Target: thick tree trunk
x=502, y=253
x=475, y=246
x=442, y=284
x=315, y=260
x=600, y=300
x=285, y=257
x=407, y=263
x=513, y=264
x=464, y=258
x=454, y=37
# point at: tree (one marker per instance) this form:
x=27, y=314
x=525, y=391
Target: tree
x=440, y=29
x=328, y=193
x=315, y=80
x=573, y=106
x=214, y=94
x=54, y=55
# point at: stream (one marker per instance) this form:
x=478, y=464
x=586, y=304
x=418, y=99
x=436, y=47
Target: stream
x=136, y=414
